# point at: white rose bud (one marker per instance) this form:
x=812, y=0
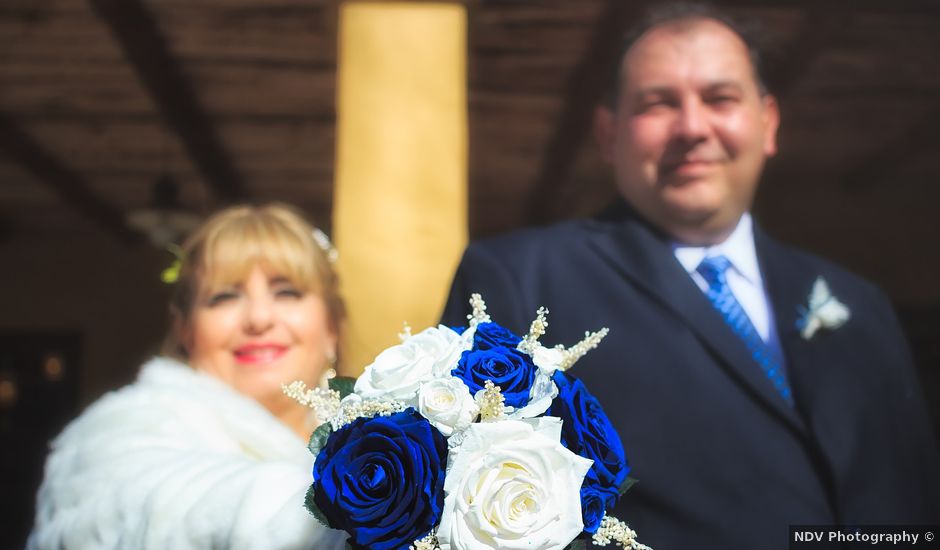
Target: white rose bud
x=399, y=371
x=447, y=404
x=512, y=485
x=547, y=359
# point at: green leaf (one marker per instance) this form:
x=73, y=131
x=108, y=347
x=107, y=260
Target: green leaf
x=171, y=274
x=627, y=483
x=578, y=544
x=318, y=438
x=343, y=384
x=312, y=507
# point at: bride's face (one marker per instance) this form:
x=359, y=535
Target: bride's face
x=259, y=333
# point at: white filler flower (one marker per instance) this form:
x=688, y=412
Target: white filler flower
x=446, y=402
x=399, y=371
x=512, y=485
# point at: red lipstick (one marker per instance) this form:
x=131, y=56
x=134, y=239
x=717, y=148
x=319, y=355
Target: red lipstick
x=259, y=353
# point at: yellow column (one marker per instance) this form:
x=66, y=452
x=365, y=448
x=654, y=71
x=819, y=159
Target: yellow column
x=400, y=201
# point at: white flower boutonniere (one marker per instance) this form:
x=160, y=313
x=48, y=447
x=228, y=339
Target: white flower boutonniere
x=825, y=311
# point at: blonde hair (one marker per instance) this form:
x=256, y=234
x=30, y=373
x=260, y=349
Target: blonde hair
x=225, y=248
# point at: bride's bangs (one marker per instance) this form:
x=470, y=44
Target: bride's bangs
x=234, y=249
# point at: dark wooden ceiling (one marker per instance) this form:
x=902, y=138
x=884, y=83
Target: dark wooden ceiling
x=235, y=99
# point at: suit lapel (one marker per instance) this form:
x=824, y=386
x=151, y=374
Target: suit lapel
x=788, y=282
x=644, y=257
x=813, y=366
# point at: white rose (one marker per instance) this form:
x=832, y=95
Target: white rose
x=399, y=371
x=512, y=485
x=446, y=403
x=450, y=346
x=547, y=359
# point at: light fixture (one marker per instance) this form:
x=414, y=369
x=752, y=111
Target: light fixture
x=164, y=221
x=53, y=367
x=8, y=389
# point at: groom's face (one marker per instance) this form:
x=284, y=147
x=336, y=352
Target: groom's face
x=690, y=130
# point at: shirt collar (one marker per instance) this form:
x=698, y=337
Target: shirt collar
x=738, y=248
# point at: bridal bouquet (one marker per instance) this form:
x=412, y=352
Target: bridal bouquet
x=467, y=439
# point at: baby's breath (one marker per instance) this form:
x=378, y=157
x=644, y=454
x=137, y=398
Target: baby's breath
x=479, y=314
x=536, y=330
x=491, y=402
x=405, y=332
x=324, y=401
x=579, y=350
x=429, y=542
x=350, y=411
x=616, y=531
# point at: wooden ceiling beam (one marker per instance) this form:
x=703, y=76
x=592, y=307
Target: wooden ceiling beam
x=71, y=187
x=585, y=88
x=147, y=51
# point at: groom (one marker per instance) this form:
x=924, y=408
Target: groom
x=737, y=424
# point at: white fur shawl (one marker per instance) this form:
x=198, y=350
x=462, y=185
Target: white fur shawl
x=177, y=460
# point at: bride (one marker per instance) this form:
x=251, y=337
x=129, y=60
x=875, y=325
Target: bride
x=204, y=450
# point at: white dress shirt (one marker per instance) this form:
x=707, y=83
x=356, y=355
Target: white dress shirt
x=744, y=276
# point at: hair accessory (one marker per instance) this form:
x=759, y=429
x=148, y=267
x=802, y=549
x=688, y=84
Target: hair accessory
x=172, y=273
x=331, y=253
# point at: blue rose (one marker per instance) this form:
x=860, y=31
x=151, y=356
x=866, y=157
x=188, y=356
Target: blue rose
x=587, y=431
x=508, y=368
x=381, y=479
x=491, y=335
x=595, y=501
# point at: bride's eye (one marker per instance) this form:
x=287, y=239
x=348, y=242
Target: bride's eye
x=222, y=296
x=284, y=289
x=288, y=292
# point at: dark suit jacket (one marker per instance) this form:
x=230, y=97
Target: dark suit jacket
x=722, y=460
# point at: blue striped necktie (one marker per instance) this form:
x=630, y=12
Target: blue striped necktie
x=713, y=269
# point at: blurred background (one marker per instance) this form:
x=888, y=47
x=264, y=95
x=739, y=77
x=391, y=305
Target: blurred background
x=123, y=122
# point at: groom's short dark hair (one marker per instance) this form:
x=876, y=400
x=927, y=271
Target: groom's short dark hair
x=680, y=11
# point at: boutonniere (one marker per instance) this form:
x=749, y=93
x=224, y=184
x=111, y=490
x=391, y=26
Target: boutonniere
x=824, y=311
